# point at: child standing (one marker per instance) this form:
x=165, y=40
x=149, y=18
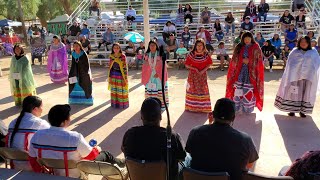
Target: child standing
x=186, y=36
x=285, y=54
x=181, y=53
x=222, y=55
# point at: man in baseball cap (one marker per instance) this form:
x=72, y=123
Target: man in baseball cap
x=218, y=147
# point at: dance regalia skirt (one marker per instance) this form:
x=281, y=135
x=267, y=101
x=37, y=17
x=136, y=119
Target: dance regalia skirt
x=77, y=96
x=119, y=90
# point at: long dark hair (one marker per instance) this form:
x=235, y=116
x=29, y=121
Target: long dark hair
x=153, y=42
x=18, y=46
x=273, y=39
x=200, y=40
x=241, y=44
x=307, y=38
x=116, y=44
x=29, y=103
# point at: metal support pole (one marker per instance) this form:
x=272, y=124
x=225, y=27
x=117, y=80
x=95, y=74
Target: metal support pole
x=146, y=23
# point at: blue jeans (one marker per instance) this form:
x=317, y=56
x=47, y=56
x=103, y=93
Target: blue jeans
x=270, y=61
x=232, y=26
x=219, y=35
x=186, y=44
x=262, y=14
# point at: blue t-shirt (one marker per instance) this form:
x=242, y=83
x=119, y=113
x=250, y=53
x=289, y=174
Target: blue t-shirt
x=85, y=31
x=291, y=35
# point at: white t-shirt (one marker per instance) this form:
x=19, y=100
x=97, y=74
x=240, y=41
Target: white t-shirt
x=169, y=29
x=221, y=51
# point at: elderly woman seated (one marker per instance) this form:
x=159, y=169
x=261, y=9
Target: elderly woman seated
x=38, y=47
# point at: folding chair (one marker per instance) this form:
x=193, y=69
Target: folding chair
x=254, y=176
x=107, y=170
x=191, y=174
x=142, y=170
x=9, y=154
x=52, y=164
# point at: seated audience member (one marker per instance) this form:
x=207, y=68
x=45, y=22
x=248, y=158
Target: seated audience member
x=304, y=167
x=229, y=23
x=291, y=37
x=268, y=51
x=247, y=24
x=285, y=54
x=218, y=147
x=217, y=28
x=74, y=32
x=171, y=46
x=85, y=44
x=204, y=34
x=140, y=54
x=149, y=141
x=186, y=36
x=251, y=11
x=55, y=141
x=160, y=42
x=259, y=39
x=297, y=5
x=181, y=54
x=131, y=14
x=130, y=52
x=263, y=10
x=107, y=39
x=237, y=40
x=187, y=13
x=85, y=31
x=94, y=7
x=285, y=20
x=180, y=15
x=276, y=42
x=3, y=133
x=222, y=55
x=311, y=35
x=8, y=47
x=168, y=29
x=301, y=20
x=206, y=16
x=23, y=128
x=38, y=47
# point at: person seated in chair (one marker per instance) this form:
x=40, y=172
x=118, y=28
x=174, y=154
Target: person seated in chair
x=218, y=147
x=181, y=54
x=171, y=46
x=130, y=52
x=149, y=141
x=168, y=29
x=131, y=14
x=85, y=44
x=54, y=142
x=94, y=7
x=140, y=54
x=108, y=39
x=38, y=47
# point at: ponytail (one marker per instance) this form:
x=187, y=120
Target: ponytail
x=16, y=127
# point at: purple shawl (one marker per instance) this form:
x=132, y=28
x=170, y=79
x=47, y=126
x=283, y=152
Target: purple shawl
x=61, y=53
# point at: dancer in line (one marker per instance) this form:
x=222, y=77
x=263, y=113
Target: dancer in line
x=245, y=80
x=21, y=76
x=80, y=78
x=300, y=80
x=152, y=74
x=118, y=78
x=197, y=95
x=57, y=61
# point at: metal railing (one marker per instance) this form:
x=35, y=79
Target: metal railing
x=313, y=9
x=84, y=4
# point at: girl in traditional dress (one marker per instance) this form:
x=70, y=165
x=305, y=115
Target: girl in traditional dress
x=197, y=95
x=118, y=78
x=300, y=80
x=21, y=76
x=80, y=78
x=152, y=74
x=245, y=78
x=57, y=61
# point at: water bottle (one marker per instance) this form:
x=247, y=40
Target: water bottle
x=93, y=142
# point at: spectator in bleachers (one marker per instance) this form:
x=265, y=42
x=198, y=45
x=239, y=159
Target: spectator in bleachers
x=140, y=54
x=285, y=54
x=23, y=128
x=218, y=30
x=297, y=5
x=204, y=34
x=206, y=16
x=285, y=20
x=238, y=39
x=85, y=31
x=212, y=147
x=171, y=46
x=85, y=44
x=38, y=47
x=247, y=25
x=131, y=14
x=186, y=36
x=276, y=42
x=74, y=32
x=94, y=7
x=160, y=42
x=130, y=52
x=229, y=22
x=168, y=29
x=149, y=142
x=222, y=55
x=251, y=11
x=66, y=42
x=107, y=39
x=259, y=39
x=268, y=51
x=311, y=35
x=263, y=10
x=180, y=14
x=301, y=20
x=181, y=52
x=291, y=36
x=57, y=140
x=187, y=13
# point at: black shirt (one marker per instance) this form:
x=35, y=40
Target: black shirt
x=220, y=148
x=287, y=19
x=74, y=30
x=131, y=52
x=150, y=143
x=229, y=20
x=246, y=26
x=268, y=50
x=217, y=26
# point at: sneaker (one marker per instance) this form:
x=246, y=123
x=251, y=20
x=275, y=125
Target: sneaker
x=302, y=115
x=222, y=69
x=291, y=114
x=270, y=70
